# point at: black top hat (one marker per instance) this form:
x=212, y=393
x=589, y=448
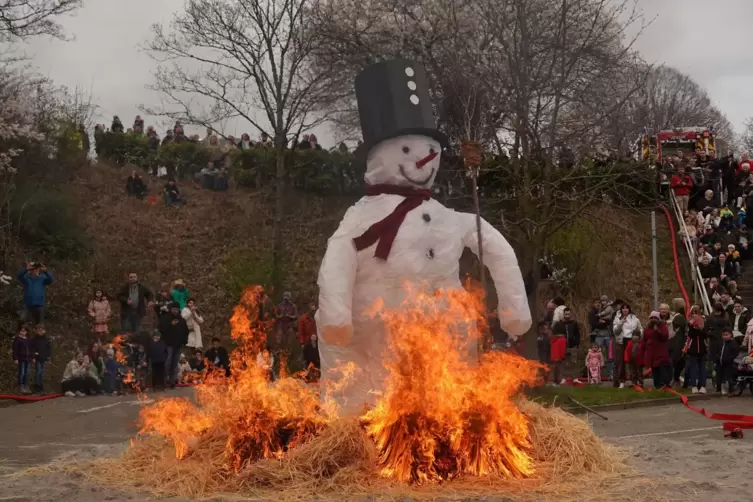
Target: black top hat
x=393, y=100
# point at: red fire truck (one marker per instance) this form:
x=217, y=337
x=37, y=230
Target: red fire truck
x=679, y=142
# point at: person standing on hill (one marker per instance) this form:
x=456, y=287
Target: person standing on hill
x=656, y=350
x=134, y=300
x=99, y=312
x=625, y=323
x=180, y=294
x=35, y=277
x=681, y=185
x=22, y=356
x=174, y=332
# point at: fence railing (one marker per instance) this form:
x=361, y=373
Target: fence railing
x=699, y=287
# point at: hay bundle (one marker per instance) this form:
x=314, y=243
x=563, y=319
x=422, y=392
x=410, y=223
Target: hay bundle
x=570, y=462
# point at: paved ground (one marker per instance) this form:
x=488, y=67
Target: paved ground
x=667, y=440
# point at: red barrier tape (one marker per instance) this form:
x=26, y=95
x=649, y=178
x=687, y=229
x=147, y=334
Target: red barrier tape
x=731, y=421
x=676, y=259
x=29, y=399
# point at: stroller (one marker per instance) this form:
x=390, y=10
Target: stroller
x=744, y=375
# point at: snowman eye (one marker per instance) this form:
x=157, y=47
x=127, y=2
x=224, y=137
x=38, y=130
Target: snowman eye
x=431, y=151
x=406, y=149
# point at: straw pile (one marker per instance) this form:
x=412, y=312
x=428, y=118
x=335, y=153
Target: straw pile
x=571, y=463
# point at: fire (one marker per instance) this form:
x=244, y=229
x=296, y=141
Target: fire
x=117, y=344
x=442, y=415
x=259, y=419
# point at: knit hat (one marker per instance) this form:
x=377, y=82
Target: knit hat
x=655, y=314
x=110, y=353
x=604, y=298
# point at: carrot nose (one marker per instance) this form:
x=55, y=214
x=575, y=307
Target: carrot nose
x=421, y=163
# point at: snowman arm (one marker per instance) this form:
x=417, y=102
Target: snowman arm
x=337, y=277
x=499, y=258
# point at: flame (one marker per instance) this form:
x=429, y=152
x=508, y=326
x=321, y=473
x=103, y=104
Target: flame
x=260, y=420
x=441, y=415
x=117, y=344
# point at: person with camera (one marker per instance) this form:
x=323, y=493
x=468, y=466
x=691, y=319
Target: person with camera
x=35, y=277
x=656, y=350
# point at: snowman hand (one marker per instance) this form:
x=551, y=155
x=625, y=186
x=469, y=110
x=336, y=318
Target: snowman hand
x=337, y=335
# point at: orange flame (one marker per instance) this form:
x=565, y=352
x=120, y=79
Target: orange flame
x=259, y=419
x=117, y=344
x=441, y=415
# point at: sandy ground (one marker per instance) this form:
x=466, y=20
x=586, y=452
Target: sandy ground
x=666, y=441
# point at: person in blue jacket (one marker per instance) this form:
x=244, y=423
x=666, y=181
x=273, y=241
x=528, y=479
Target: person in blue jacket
x=35, y=277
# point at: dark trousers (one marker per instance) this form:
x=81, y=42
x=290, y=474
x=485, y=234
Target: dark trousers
x=171, y=365
x=618, y=351
x=158, y=375
x=556, y=369
x=23, y=372
x=695, y=372
x=661, y=376
x=33, y=313
x=725, y=373
x=636, y=374
x=130, y=321
x=86, y=385
x=39, y=375
x=677, y=368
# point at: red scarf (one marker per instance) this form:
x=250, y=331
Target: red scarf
x=385, y=230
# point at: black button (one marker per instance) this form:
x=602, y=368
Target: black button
x=430, y=254
x=427, y=218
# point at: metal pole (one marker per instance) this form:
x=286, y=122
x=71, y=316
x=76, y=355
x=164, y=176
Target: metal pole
x=654, y=260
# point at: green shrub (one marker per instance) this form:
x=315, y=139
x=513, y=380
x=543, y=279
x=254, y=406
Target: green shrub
x=46, y=220
x=186, y=157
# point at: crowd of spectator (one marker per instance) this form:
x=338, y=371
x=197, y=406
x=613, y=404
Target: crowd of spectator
x=158, y=344
x=675, y=347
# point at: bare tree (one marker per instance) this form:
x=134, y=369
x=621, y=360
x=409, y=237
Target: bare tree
x=246, y=59
x=21, y=19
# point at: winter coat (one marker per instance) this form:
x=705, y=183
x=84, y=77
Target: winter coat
x=623, y=329
x=100, y=311
x=145, y=296
x=593, y=320
x=74, y=370
x=571, y=332
x=158, y=352
x=677, y=342
x=679, y=189
x=739, y=322
x=728, y=351
x=558, y=348
x=41, y=348
x=594, y=359
x=306, y=328
x=175, y=335
x=34, y=287
x=218, y=358
x=714, y=326
x=656, y=349
x=629, y=351
x=22, y=351
x=696, y=343
x=192, y=321
x=180, y=296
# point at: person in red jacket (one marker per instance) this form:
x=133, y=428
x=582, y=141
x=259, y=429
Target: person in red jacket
x=557, y=354
x=681, y=184
x=656, y=351
x=634, y=358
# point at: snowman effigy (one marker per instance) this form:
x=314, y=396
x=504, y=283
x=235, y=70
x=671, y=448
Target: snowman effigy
x=398, y=233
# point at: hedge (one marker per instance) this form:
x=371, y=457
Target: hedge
x=337, y=173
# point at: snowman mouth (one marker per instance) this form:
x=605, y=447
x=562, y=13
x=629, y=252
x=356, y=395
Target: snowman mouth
x=423, y=181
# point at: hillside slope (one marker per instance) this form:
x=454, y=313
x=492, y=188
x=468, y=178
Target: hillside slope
x=220, y=242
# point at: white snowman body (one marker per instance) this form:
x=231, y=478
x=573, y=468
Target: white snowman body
x=426, y=253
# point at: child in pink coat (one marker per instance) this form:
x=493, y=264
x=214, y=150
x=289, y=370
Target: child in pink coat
x=594, y=360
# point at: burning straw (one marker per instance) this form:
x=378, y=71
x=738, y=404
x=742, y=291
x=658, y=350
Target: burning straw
x=443, y=427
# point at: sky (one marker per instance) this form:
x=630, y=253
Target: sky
x=709, y=41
